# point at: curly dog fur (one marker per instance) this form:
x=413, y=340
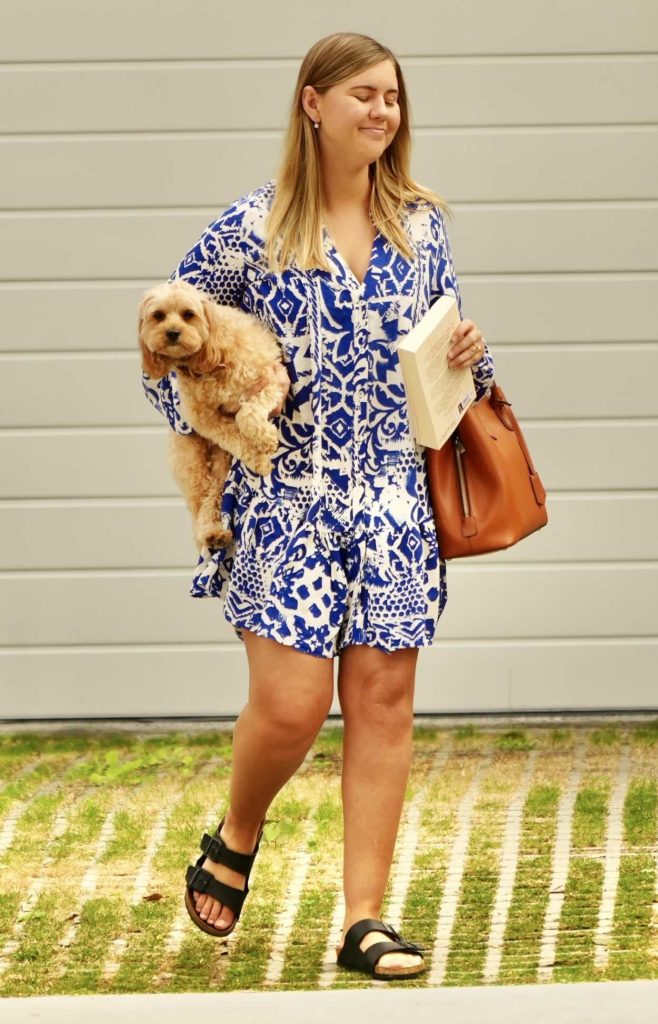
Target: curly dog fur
x=230, y=379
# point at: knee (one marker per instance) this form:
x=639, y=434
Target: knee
x=295, y=719
x=382, y=700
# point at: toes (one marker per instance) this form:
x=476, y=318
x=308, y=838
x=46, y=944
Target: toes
x=214, y=913
x=225, y=918
x=204, y=905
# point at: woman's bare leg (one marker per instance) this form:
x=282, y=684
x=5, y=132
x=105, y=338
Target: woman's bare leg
x=290, y=694
x=376, y=691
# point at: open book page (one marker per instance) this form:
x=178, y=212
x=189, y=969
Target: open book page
x=437, y=394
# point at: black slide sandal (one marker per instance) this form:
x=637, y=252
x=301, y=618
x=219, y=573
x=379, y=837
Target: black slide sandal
x=353, y=957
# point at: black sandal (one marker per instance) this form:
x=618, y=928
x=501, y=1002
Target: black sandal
x=198, y=879
x=352, y=956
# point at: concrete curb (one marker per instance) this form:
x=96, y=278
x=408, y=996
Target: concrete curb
x=623, y=1002
x=484, y=722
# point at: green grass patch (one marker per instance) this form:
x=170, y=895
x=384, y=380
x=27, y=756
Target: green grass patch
x=646, y=733
x=465, y=732
x=574, y=957
x=590, y=816
x=607, y=736
x=308, y=938
x=102, y=920
x=630, y=945
x=468, y=946
x=250, y=956
x=64, y=942
x=532, y=885
x=438, y=826
x=514, y=739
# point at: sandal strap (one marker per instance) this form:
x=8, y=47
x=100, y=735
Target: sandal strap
x=370, y=924
x=216, y=849
x=396, y=941
x=377, y=950
x=200, y=880
x=356, y=932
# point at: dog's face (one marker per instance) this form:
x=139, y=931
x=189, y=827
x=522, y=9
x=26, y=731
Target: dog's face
x=173, y=326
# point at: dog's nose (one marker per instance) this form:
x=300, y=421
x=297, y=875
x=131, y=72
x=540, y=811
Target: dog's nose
x=173, y=335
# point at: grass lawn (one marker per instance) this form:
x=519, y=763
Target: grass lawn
x=523, y=856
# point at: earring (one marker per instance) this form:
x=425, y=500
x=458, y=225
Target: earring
x=316, y=124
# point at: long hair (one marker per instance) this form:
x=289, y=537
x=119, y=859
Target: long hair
x=294, y=224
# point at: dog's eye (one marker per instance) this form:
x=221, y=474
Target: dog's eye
x=158, y=315
x=188, y=314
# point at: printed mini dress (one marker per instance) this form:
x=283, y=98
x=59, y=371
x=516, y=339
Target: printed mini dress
x=337, y=545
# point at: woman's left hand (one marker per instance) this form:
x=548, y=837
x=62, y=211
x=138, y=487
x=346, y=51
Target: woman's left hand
x=466, y=345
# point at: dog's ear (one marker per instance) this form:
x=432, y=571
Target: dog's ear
x=211, y=354
x=141, y=309
x=153, y=365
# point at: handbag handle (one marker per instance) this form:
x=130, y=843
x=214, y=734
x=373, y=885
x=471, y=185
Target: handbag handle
x=506, y=416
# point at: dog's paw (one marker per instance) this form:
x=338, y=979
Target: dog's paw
x=259, y=434
x=259, y=464
x=214, y=537
x=270, y=442
x=268, y=439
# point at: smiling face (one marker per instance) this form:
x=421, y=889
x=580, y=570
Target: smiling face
x=358, y=117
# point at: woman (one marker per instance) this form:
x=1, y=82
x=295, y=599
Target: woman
x=335, y=551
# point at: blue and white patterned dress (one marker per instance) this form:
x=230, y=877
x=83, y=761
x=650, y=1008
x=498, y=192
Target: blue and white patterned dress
x=337, y=545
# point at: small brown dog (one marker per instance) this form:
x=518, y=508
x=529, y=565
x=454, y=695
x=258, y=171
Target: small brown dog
x=230, y=379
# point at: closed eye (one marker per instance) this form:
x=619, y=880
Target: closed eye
x=364, y=99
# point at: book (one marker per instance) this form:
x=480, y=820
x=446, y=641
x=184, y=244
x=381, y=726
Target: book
x=438, y=395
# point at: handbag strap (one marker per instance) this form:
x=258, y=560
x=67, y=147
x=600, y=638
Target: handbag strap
x=504, y=411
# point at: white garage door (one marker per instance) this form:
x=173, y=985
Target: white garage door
x=123, y=136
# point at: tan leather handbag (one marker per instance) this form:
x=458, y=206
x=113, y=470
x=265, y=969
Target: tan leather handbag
x=484, y=489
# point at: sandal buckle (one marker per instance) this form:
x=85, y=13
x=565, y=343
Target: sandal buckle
x=400, y=938
x=212, y=846
x=192, y=883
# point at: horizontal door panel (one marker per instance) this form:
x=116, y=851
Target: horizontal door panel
x=605, y=237
x=548, y=382
x=154, y=97
x=128, y=30
x=534, y=238
x=71, y=390
x=562, y=309
x=133, y=533
x=484, y=165
x=579, y=382
x=484, y=602
x=557, y=308
x=476, y=677
x=132, y=462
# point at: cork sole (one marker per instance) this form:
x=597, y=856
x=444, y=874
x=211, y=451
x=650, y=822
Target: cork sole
x=388, y=972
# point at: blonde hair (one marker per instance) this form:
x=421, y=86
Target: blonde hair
x=294, y=224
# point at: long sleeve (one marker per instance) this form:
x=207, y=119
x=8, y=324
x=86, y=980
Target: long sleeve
x=215, y=265
x=163, y=396
x=444, y=282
